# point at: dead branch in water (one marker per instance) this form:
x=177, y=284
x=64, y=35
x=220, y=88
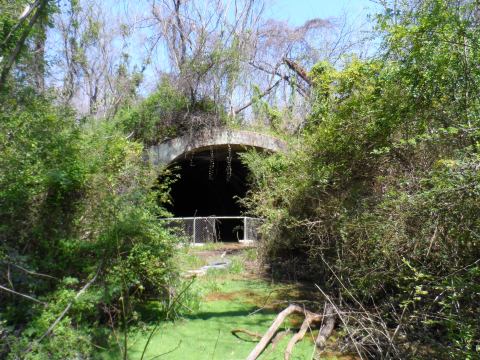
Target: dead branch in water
x=248, y=332
x=327, y=326
x=310, y=319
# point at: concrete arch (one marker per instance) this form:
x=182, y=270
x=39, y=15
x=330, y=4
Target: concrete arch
x=174, y=149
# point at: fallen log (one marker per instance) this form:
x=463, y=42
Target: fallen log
x=272, y=330
x=310, y=318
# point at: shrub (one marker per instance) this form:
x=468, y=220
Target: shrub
x=76, y=204
x=379, y=202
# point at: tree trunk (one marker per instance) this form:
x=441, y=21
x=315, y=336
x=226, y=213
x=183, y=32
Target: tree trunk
x=20, y=43
x=39, y=55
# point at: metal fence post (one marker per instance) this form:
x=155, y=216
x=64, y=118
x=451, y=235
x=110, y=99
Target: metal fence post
x=245, y=228
x=194, y=228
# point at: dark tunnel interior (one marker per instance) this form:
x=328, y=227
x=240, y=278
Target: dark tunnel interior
x=210, y=184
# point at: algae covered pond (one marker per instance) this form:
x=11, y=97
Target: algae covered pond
x=232, y=298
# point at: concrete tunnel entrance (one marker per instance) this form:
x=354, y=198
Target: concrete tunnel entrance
x=210, y=186
x=210, y=183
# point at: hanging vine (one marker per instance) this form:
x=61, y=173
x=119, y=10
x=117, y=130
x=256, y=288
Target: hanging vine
x=211, y=167
x=229, y=163
x=192, y=155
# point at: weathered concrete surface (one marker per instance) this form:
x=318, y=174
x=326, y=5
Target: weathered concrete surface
x=171, y=150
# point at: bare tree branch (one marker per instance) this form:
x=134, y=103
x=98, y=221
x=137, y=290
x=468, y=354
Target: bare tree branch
x=300, y=71
x=33, y=273
x=266, y=92
x=22, y=295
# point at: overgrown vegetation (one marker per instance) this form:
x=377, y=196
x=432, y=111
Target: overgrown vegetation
x=81, y=245
x=76, y=205
x=379, y=204
x=228, y=299
x=168, y=113
x=376, y=202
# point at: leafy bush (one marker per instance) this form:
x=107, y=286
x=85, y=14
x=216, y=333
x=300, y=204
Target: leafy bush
x=380, y=202
x=76, y=205
x=167, y=113
x=158, y=116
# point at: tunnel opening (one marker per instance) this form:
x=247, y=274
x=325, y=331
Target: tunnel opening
x=211, y=183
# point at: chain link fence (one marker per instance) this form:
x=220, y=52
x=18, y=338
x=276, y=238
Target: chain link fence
x=251, y=228
x=200, y=230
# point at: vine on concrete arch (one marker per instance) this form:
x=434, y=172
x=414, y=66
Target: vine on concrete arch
x=211, y=167
x=229, y=163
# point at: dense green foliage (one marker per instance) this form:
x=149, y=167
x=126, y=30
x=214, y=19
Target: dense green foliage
x=168, y=113
x=80, y=242
x=380, y=201
x=76, y=200
x=157, y=117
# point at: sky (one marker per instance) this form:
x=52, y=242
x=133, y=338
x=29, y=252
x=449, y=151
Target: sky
x=296, y=12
